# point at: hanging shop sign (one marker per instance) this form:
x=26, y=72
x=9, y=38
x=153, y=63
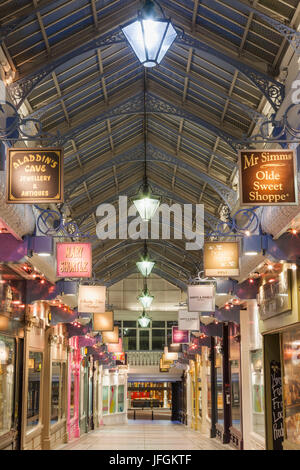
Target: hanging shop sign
x=91, y=299
x=34, y=175
x=268, y=177
x=188, y=320
x=180, y=336
x=221, y=259
x=111, y=337
x=103, y=321
x=73, y=260
x=275, y=298
x=201, y=298
x=115, y=347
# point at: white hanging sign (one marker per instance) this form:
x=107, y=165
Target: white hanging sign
x=201, y=298
x=188, y=320
x=91, y=299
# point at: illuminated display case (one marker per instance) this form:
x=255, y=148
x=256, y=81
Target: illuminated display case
x=291, y=385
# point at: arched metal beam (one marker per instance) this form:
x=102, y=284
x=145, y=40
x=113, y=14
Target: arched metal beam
x=171, y=279
x=137, y=154
x=127, y=243
x=211, y=219
x=272, y=90
x=129, y=256
x=154, y=104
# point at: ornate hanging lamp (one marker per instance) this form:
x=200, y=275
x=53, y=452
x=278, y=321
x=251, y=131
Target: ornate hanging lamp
x=144, y=319
x=145, y=298
x=151, y=34
x=145, y=266
x=145, y=202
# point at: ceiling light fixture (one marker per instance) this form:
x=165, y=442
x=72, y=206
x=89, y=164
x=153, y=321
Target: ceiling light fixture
x=151, y=34
x=145, y=202
x=145, y=266
x=144, y=319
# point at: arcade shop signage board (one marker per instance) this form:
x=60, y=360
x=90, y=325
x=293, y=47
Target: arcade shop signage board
x=221, y=259
x=188, y=320
x=268, y=177
x=34, y=175
x=73, y=260
x=91, y=299
x=180, y=336
x=201, y=298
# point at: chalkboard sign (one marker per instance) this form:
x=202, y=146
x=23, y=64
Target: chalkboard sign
x=277, y=405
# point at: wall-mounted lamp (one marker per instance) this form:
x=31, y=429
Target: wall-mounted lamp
x=41, y=245
x=254, y=244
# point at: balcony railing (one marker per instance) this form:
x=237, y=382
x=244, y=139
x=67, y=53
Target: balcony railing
x=144, y=358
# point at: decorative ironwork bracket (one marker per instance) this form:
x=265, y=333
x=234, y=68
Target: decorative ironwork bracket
x=278, y=131
x=233, y=228
x=51, y=223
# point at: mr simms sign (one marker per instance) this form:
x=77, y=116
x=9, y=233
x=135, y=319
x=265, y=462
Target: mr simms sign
x=268, y=177
x=34, y=175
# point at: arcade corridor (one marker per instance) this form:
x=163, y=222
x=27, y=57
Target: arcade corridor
x=149, y=225
x=145, y=435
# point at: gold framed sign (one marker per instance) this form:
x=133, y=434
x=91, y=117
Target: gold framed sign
x=268, y=177
x=221, y=259
x=34, y=175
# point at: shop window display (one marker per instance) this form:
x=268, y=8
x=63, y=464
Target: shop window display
x=291, y=360
x=55, y=391
x=219, y=373
x=7, y=374
x=257, y=387
x=235, y=374
x=112, y=399
x=121, y=398
x=72, y=396
x=208, y=385
x=105, y=392
x=34, y=388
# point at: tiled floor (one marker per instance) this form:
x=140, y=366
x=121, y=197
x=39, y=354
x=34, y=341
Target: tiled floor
x=145, y=435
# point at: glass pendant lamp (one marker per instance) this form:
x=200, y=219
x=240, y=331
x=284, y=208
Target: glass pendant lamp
x=145, y=298
x=145, y=266
x=145, y=202
x=144, y=319
x=151, y=34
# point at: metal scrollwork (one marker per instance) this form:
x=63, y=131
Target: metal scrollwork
x=243, y=222
x=52, y=223
x=282, y=131
x=14, y=127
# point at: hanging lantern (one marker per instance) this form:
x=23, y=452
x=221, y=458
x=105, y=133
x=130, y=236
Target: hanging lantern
x=146, y=204
x=145, y=266
x=150, y=35
x=145, y=298
x=144, y=320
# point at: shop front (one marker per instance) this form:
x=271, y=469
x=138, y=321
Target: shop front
x=222, y=387
x=114, y=392
x=196, y=391
x=55, y=380
x=252, y=379
x=37, y=320
x=236, y=427
x=12, y=311
x=74, y=385
x=280, y=327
